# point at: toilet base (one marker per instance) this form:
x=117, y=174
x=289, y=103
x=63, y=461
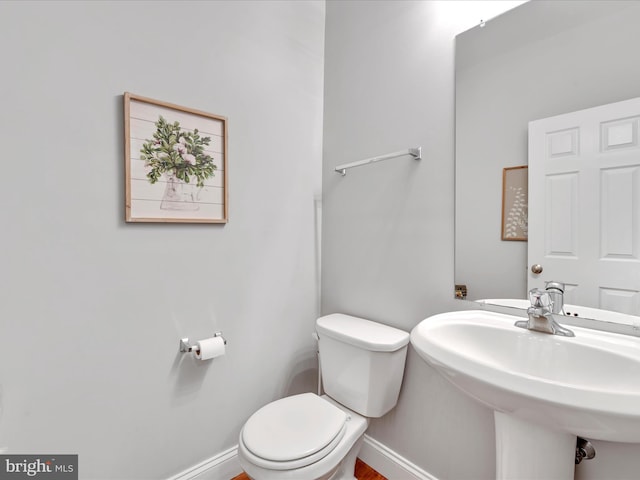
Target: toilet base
x=347, y=468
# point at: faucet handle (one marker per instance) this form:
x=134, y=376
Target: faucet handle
x=540, y=299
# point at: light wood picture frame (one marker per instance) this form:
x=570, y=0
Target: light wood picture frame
x=176, y=163
x=515, y=203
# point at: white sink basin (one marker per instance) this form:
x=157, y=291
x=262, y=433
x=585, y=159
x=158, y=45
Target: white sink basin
x=544, y=389
x=587, y=385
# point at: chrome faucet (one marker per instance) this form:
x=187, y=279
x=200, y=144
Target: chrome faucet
x=541, y=315
x=556, y=291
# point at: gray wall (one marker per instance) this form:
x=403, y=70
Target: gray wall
x=388, y=228
x=91, y=308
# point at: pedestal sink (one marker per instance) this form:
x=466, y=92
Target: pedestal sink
x=544, y=389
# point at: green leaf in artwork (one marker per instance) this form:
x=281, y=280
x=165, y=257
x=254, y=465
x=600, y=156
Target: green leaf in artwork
x=172, y=150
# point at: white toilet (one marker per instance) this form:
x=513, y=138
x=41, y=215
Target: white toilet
x=308, y=437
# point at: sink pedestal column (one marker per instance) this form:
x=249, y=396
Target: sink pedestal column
x=526, y=450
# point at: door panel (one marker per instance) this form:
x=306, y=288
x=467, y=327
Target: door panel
x=584, y=205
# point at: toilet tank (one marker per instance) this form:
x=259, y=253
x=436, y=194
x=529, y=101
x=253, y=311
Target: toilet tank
x=362, y=362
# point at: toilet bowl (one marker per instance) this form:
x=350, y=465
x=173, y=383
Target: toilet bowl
x=311, y=437
x=303, y=437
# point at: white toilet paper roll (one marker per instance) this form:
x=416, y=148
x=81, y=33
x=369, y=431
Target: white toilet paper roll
x=209, y=348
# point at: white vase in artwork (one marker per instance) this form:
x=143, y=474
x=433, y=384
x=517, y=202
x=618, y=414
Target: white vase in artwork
x=179, y=195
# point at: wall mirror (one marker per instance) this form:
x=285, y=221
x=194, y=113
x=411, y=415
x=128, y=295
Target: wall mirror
x=541, y=59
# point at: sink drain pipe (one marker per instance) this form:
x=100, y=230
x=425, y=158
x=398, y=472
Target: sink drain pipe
x=584, y=450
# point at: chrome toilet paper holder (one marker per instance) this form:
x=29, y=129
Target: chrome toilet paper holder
x=186, y=347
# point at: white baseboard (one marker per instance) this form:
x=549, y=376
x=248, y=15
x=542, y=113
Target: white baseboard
x=225, y=465
x=389, y=463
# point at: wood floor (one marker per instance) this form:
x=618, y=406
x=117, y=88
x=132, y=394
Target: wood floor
x=363, y=472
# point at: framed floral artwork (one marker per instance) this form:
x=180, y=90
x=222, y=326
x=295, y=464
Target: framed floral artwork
x=175, y=163
x=515, y=203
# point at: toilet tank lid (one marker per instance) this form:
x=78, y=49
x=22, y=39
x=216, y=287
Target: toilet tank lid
x=362, y=333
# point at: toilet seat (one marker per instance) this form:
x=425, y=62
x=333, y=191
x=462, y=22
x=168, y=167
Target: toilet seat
x=293, y=432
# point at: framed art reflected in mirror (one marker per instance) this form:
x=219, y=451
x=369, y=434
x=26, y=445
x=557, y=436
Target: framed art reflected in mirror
x=515, y=208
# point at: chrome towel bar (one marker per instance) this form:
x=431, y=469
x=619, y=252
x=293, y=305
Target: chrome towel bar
x=416, y=153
